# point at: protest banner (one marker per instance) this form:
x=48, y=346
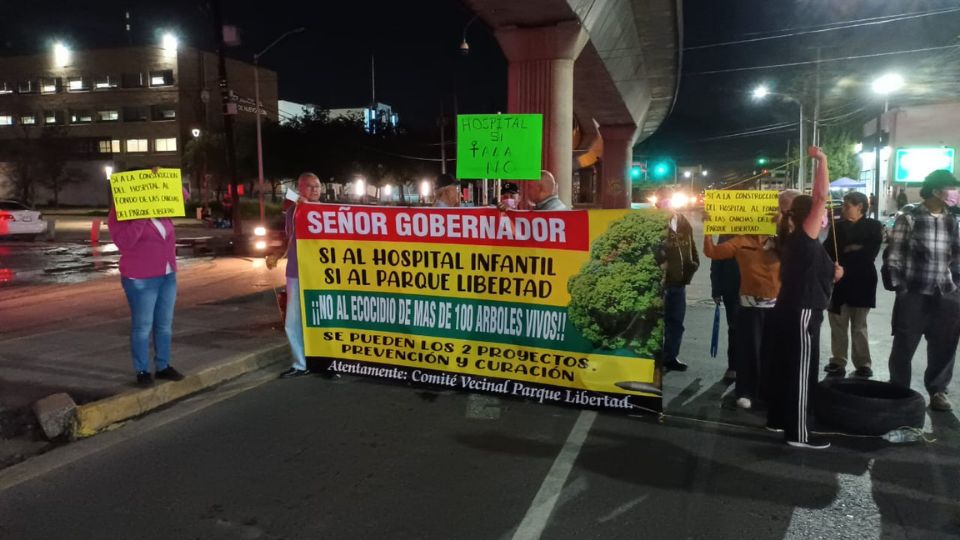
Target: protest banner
x=561, y=307
x=147, y=194
x=740, y=212
x=504, y=146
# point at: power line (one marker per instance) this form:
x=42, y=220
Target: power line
x=825, y=60
x=857, y=23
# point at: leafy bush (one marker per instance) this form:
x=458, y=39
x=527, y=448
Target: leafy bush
x=616, y=300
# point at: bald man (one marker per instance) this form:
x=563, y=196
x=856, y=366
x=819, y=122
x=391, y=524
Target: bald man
x=309, y=187
x=542, y=195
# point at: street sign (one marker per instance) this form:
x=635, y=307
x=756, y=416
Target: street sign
x=914, y=164
x=504, y=146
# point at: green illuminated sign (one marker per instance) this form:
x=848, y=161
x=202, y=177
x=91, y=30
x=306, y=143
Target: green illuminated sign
x=506, y=146
x=914, y=164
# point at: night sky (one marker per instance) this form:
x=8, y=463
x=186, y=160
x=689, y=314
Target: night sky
x=418, y=66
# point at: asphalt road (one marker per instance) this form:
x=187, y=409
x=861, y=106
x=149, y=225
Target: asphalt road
x=357, y=458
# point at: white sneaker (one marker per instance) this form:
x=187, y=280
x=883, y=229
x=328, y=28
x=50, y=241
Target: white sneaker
x=744, y=403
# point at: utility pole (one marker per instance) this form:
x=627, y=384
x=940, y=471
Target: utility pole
x=227, y=118
x=443, y=141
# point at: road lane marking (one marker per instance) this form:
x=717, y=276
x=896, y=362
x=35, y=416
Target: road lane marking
x=620, y=510
x=535, y=521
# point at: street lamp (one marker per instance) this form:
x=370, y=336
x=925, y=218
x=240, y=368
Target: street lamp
x=884, y=85
x=760, y=93
x=256, y=89
x=705, y=172
x=169, y=42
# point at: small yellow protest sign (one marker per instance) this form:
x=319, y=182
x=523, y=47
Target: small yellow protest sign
x=740, y=212
x=147, y=194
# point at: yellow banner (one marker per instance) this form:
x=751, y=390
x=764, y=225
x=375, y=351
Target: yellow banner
x=740, y=212
x=593, y=372
x=444, y=270
x=147, y=194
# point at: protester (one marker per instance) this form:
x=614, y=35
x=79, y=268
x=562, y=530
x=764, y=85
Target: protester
x=542, y=195
x=308, y=185
x=509, y=194
x=758, y=261
x=148, y=275
x=725, y=289
x=902, y=198
x=807, y=275
x=447, y=192
x=679, y=260
x=922, y=264
x=857, y=242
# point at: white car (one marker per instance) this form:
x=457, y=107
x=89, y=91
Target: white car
x=18, y=219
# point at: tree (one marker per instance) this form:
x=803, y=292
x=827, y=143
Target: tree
x=616, y=300
x=838, y=143
x=57, y=176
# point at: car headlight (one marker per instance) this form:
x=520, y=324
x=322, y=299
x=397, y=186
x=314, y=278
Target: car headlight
x=260, y=231
x=260, y=245
x=679, y=200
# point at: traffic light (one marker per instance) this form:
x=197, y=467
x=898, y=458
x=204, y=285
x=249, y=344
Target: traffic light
x=761, y=161
x=635, y=172
x=662, y=169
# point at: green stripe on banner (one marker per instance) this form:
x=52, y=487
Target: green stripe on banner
x=540, y=327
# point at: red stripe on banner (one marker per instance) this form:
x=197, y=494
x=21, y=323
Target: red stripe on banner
x=567, y=229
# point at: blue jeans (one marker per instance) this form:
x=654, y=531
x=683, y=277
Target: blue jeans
x=151, y=311
x=674, y=311
x=294, y=326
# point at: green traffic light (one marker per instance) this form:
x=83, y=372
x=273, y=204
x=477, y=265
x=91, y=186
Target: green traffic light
x=761, y=161
x=635, y=172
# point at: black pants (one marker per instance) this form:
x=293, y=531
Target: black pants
x=750, y=331
x=794, y=366
x=731, y=308
x=935, y=317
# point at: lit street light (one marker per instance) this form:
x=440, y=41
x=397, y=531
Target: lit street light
x=256, y=99
x=169, y=42
x=705, y=172
x=884, y=85
x=760, y=93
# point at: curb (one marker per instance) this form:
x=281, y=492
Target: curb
x=94, y=417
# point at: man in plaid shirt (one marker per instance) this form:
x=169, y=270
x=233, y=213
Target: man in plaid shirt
x=922, y=263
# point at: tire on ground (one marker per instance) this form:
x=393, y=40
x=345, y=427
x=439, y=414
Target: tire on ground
x=867, y=407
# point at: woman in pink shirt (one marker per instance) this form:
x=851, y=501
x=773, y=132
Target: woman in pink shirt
x=148, y=274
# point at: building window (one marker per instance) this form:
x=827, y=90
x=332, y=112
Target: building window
x=50, y=85
x=77, y=84
x=27, y=87
x=165, y=112
x=28, y=119
x=81, y=117
x=111, y=115
x=165, y=145
x=136, y=114
x=162, y=77
x=6, y=120
x=105, y=82
x=131, y=80
x=136, y=145
x=109, y=147
x=52, y=118
x=6, y=88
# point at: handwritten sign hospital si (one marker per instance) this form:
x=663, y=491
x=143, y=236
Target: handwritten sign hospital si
x=147, y=194
x=505, y=146
x=740, y=212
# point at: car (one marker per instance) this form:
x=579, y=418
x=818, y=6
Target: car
x=891, y=219
x=18, y=219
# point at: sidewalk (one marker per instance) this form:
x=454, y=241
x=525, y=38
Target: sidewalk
x=76, y=341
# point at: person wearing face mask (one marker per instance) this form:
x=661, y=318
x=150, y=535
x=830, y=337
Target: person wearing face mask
x=509, y=194
x=857, y=243
x=922, y=264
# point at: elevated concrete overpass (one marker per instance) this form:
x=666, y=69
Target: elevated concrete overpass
x=604, y=73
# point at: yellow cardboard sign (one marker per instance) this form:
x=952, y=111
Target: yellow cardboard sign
x=740, y=212
x=147, y=194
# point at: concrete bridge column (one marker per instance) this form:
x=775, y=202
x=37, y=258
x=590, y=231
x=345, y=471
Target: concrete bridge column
x=540, y=80
x=617, y=158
